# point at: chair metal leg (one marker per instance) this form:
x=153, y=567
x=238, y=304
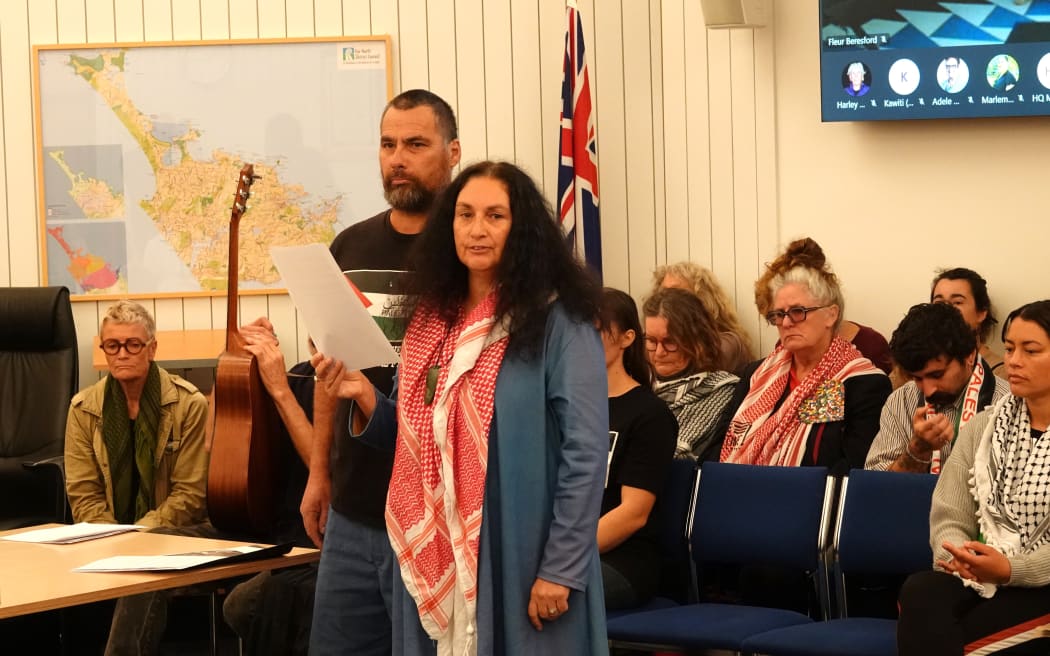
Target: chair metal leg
x=214, y=628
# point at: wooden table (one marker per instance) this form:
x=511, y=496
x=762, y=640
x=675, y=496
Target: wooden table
x=177, y=349
x=39, y=577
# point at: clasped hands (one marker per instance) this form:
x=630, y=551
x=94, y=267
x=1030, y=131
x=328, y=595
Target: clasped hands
x=976, y=561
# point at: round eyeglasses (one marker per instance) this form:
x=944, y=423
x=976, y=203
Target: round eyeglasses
x=670, y=346
x=132, y=346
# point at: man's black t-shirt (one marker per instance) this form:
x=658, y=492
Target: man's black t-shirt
x=375, y=257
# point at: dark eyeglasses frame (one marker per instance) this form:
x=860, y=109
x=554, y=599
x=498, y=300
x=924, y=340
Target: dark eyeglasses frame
x=651, y=344
x=132, y=346
x=797, y=314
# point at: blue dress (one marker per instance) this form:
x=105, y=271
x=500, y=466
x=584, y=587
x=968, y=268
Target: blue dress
x=548, y=450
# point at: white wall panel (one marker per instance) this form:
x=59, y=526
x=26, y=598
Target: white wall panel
x=675, y=190
x=384, y=20
x=328, y=17
x=656, y=105
x=215, y=19
x=128, y=17
x=101, y=23
x=413, y=46
x=357, y=17
x=441, y=55
x=525, y=79
x=552, y=51
x=699, y=157
x=71, y=21
x=157, y=20
x=244, y=19
x=638, y=131
x=498, y=82
x=606, y=52
x=299, y=19
x=185, y=20
x=470, y=75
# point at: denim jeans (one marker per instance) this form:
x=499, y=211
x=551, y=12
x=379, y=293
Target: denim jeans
x=353, y=597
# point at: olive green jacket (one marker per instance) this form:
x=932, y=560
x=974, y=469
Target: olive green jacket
x=180, y=463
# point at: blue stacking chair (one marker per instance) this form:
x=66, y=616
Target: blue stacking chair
x=883, y=528
x=743, y=514
x=671, y=514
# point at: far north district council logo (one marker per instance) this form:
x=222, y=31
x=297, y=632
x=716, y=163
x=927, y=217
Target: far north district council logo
x=349, y=54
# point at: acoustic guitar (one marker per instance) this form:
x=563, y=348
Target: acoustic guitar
x=245, y=473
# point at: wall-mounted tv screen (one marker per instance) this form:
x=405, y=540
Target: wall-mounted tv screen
x=914, y=59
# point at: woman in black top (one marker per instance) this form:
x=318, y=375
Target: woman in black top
x=642, y=435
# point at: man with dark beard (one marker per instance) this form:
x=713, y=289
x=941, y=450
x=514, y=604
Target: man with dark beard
x=948, y=384
x=344, y=502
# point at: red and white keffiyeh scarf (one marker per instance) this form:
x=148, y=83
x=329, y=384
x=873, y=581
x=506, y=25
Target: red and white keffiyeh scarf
x=759, y=436
x=433, y=508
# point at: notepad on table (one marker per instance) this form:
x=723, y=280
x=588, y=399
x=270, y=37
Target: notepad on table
x=169, y=562
x=71, y=533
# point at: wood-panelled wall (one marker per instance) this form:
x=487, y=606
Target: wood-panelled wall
x=686, y=121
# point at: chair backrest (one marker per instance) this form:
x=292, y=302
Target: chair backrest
x=671, y=514
x=672, y=508
x=884, y=523
x=761, y=515
x=39, y=370
x=882, y=534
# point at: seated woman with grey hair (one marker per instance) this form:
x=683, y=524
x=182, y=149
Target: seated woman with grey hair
x=815, y=400
x=135, y=454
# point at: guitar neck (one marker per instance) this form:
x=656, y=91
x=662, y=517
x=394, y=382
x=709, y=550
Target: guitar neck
x=240, y=205
x=232, y=341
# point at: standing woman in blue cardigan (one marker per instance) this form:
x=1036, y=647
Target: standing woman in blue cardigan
x=499, y=421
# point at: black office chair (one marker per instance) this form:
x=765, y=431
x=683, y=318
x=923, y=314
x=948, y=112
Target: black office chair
x=38, y=376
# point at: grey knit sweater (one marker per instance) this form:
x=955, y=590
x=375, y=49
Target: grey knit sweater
x=953, y=516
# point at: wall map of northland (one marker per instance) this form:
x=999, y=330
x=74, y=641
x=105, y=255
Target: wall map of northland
x=142, y=146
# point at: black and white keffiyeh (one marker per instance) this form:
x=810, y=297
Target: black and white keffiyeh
x=1011, y=483
x=697, y=402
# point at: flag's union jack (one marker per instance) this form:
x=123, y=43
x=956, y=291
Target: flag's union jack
x=578, y=151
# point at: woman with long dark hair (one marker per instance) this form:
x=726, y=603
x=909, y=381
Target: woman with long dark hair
x=990, y=520
x=500, y=407
x=642, y=434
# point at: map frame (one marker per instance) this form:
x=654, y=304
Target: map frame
x=99, y=194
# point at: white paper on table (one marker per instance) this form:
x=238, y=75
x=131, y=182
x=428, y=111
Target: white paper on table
x=69, y=534
x=162, y=562
x=337, y=321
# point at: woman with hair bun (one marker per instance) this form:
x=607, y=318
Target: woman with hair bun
x=815, y=400
x=868, y=341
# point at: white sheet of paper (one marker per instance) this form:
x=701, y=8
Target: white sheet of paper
x=69, y=534
x=162, y=562
x=338, y=322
